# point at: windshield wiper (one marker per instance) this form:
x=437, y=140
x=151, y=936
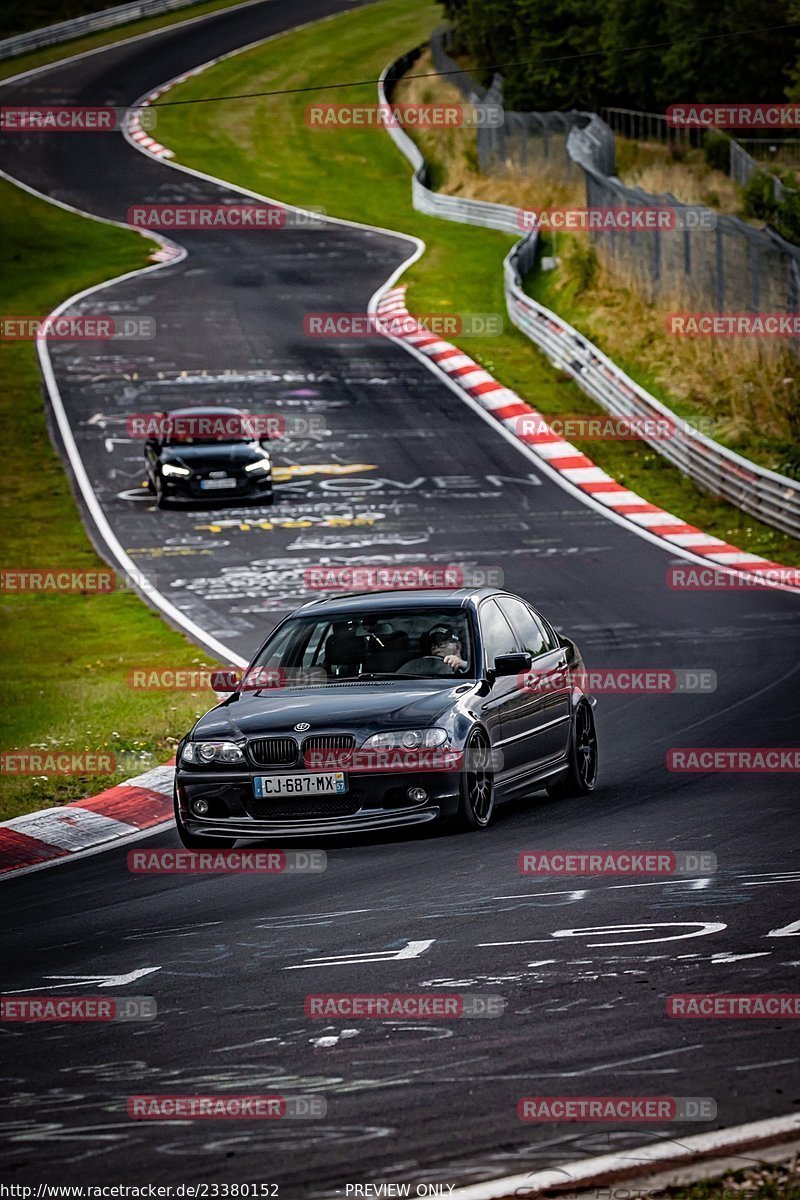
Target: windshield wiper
x=369, y=675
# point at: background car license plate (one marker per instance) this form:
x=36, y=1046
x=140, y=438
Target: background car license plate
x=217, y=483
x=330, y=783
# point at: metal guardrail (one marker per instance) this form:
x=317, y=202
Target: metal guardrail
x=766, y=495
x=108, y=18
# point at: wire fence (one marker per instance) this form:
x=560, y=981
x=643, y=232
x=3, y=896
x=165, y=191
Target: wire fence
x=654, y=127
x=730, y=267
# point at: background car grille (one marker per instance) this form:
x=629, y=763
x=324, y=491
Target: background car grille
x=303, y=807
x=273, y=752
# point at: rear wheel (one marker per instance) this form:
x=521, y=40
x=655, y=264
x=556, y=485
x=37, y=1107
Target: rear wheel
x=193, y=841
x=476, y=807
x=582, y=775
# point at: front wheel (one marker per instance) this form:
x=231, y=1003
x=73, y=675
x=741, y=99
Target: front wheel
x=476, y=807
x=194, y=841
x=581, y=778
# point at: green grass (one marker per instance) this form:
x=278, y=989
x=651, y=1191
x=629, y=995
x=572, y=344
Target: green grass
x=263, y=143
x=49, y=54
x=66, y=657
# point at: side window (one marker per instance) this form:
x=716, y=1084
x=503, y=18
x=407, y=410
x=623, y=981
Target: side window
x=495, y=633
x=551, y=637
x=533, y=634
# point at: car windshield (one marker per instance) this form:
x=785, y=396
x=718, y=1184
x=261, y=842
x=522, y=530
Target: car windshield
x=212, y=428
x=413, y=643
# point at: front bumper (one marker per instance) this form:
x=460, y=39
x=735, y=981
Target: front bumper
x=248, y=487
x=373, y=801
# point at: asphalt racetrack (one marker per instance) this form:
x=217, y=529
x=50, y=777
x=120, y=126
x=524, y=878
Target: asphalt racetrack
x=409, y=472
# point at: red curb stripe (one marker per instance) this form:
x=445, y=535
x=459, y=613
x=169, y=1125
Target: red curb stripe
x=141, y=807
x=466, y=370
x=574, y=460
x=428, y=341
x=510, y=410
x=20, y=850
x=604, y=485
x=671, y=530
x=644, y=507
x=453, y=352
x=492, y=386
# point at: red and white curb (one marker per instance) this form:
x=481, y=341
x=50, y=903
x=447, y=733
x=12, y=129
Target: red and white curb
x=139, y=135
x=561, y=456
x=53, y=834
x=574, y=1178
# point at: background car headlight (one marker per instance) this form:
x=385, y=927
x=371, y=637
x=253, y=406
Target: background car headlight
x=207, y=752
x=174, y=469
x=263, y=464
x=407, y=739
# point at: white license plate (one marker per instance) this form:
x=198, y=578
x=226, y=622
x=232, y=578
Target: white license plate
x=329, y=783
x=208, y=484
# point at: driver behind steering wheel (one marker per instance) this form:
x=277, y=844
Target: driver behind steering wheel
x=443, y=656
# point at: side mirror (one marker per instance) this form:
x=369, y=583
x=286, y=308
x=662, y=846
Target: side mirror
x=512, y=664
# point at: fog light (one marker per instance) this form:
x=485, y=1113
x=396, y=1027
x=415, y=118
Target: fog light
x=417, y=795
x=200, y=807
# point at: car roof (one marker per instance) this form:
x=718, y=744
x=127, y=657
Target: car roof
x=378, y=601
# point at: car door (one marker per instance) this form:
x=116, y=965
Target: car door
x=501, y=705
x=546, y=713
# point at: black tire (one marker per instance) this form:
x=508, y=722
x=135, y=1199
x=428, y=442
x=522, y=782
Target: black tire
x=582, y=775
x=476, y=806
x=159, y=491
x=194, y=841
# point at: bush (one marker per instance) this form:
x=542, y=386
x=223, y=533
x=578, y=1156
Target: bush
x=759, y=202
x=787, y=218
x=717, y=150
x=758, y=197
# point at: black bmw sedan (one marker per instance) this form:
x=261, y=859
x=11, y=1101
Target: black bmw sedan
x=206, y=454
x=389, y=709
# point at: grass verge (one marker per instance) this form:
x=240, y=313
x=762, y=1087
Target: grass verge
x=66, y=657
x=264, y=143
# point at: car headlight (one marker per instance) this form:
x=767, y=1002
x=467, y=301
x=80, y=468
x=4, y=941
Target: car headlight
x=263, y=464
x=407, y=739
x=174, y=469
x=201, y=753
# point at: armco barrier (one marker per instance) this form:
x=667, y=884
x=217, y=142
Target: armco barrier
x=108, y=18
x=772, y=498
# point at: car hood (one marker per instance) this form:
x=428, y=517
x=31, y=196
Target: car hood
x=374, y=705
x=213, y=454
